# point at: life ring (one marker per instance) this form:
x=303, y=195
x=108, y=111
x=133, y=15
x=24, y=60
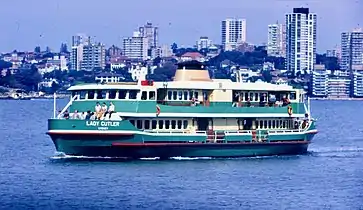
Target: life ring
x=289, y=110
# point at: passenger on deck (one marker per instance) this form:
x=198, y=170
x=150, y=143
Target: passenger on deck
x=248, y=103
x=271, y=100
x=103, y=110
x=88, y=115
x=98, y=111
x=66, y=115
x=263, y=100
x=76, y=115
x=59, y=116
x=111, y=110
x=285, y=101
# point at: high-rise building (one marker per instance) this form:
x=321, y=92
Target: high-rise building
x=233, y=33
x=94, y=56
x=204, y=43
x=151, y=33
x=136, y=47
x=79, y=39
x=86, y=55
x=76, y=57
x=276, y=44
x=301, y=26
x=351, y=49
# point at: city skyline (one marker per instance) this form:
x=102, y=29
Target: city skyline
x=184, y=25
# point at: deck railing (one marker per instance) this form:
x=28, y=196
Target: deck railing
x=67, y=106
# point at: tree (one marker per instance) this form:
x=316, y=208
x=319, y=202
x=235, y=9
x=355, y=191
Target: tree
x=5, y=65
x=174, y=47
x=37, y=49
x=63, y=48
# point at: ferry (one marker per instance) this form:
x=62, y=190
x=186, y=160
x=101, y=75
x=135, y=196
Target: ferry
x=191, y=116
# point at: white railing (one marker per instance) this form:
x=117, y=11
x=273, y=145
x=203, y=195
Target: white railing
x=228, y=133
x=67, y=106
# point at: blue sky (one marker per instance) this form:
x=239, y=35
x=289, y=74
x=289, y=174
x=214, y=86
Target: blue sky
x=25, y=24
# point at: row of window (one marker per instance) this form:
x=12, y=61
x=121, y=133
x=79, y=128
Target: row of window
x=274, y=124
x=171, y=95
x=255, y=96
x=160, y=124
x=114, y=94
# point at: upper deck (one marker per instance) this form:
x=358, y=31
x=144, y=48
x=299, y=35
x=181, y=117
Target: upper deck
x=192, y=93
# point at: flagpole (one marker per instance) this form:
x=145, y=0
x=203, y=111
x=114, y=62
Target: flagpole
x=54, y=105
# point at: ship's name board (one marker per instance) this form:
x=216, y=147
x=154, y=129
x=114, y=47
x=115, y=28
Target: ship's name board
x=94, y=123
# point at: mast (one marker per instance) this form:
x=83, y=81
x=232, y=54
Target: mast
x=54, y=105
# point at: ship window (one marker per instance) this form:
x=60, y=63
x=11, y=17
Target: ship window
x=173, y=124
x=147, y=124
x=185, y=124
x=274, y=124
x=132, y=122
x=91, y=94
x=112, y=94
x=153, y=124
x=265, y=124
x=122, y=94
x=269, y=124
x=167, y=124
x=251, y=97
x=246, y=96
x=170, y=95
x=175, y=95
x=284, y=124
x=161, y=124
x=143, y=95
x=180, y=124
x=191, y=95
x=256, y=97
x=82, y=95
x=139, y=124
x=132, y=94
x=261, y=123
x=101, y=94
x=152, y=95
x=74, y=93
x=196, y=94
x=180, y=95
x=292, y=96
x=186, y=95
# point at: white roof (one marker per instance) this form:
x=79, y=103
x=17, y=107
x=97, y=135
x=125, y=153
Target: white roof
x=224, y=84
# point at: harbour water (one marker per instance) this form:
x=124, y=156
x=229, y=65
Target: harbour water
x=33, y=177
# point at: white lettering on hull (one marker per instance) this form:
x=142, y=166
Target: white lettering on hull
x=102, y=125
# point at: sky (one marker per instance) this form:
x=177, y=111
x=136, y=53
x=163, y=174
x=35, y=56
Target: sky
x=26, y=24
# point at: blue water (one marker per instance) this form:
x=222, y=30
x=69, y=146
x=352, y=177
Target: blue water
x=329, y=177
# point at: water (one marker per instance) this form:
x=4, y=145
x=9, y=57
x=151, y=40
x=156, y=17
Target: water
x=329, y=177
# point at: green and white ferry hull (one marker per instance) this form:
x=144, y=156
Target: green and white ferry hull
x=192, y=116
x=121, y=139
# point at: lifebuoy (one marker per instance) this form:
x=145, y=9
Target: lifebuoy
x=289, y=110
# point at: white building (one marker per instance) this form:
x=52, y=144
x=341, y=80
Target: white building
x=276, y=43
x=301, y=29
x=138, y=72
x=233, y=33
x=203, y=43
x=358, y=84
x=108, y=77
x=136, y=47
x=351, y=49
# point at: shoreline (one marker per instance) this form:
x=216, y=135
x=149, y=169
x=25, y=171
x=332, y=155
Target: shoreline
x=336, y=99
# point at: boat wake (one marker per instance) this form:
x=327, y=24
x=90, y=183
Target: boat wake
x=338, y=152
x=63, y=157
